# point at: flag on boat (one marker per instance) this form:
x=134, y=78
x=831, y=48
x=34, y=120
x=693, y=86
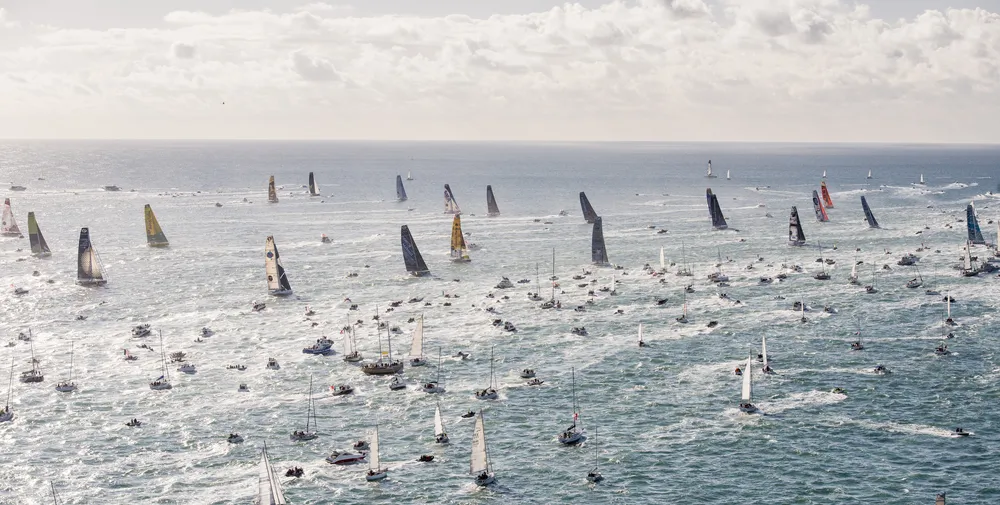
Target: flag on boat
x=576, y=415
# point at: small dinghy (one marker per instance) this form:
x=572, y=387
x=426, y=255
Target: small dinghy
x=235, y=438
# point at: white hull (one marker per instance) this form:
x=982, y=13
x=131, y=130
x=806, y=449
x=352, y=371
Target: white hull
x=66, y=388
x=280, y=292
x=160, y=386
x=489, y=394
x=489, y=479
x=375, y=477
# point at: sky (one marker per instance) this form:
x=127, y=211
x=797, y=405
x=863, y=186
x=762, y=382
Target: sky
x=617, y=70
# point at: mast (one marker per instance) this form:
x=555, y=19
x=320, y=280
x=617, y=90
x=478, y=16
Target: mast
x=576, y=414
x=492, y=378
x=552, y=282
x=10, y=385
x=309, y=407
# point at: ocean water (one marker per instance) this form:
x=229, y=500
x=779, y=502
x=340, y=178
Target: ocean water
x=666, y=420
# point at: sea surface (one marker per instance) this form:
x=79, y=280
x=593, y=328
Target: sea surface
x=662, y=421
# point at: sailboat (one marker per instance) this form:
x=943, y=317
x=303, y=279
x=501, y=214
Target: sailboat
x=7, y=415
x=727, y=176
x=375, y=470
x=642, y=343
x=922, y=183
x=154, y=234
x=594, y=476
x=684, y=315
x=269, y=488
x=795, y=234
x=459, y=251
x=872, y=223
x=411, y=255
x=417, y=346
x=68, y=386
x=39, y=248
x=972, y=223
x=802, y=309
x=272, y=194
x=718, y=276
x=491, y=203
x=313, y=187
x=598, y=252
x=35, y=374
x=574, y=434
x=306, y=435
x=709, y=174
x=715, y=211
x=663, y=262
x=824, y=173
x=766, y=368
x=351, y=354
x=490, y=393
x=818, y=208
x=916, y=283
x=89, y=269
x=450, y=205
x=8, y=227
x=588, y=210
x=947, y=300
x=826, y=195
x=479, y=465
x=551, y=302
x=968, y=269
x=853, y=279
x=435, y=386
x=440, y=436
x=536, y=296
x=163, y=381
x=822, y=275
x=873, y=287
x=684, y=271
x=400, y=190
x=746, y=406
x=384, y=365
x=277, y=281
x=869, y=174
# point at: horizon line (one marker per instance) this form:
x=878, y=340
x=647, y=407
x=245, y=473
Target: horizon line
x=504, y=141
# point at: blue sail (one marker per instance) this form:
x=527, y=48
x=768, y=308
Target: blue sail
x=411, y=255
x=872, y=223
x=715, y=211
x=598, y=253
x=400, y=191
x=588, y=211
x=975, y=234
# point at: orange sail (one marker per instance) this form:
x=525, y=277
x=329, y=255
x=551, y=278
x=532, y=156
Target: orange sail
x=826, y=195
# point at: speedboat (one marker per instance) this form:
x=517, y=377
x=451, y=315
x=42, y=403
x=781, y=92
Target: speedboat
x=961, y=432
x=344, y=458
x=425, y=458
x=397, y=384
x=141, y=330
x=66, y=387
x=748, y=408
x=341, y=390
x=324, y=239
x=487, y=394
x=581, y=331
x=18, y=188
x=258, y=306
x=235, y=438
x=272, y=364
x=207, y=332
x=830, y=310
x=504, y=284
x=839, y=391
x=527, y=373
x=594, y=476
x=432, y=387
x=239, y=367
x=243, y=389
x=881, y=370
x=942, y=350
x=535, y=382
x=361, y=446
x=187, y=368
x=112, y=188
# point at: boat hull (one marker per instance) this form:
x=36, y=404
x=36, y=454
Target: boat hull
x=375, y=477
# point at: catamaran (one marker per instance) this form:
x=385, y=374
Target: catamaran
x=8, y=227
x=972, y=223
x=269, y=488
x=411, y=255
x=272, y=193
x=588, y=210
x=89, y=269
x=306, y=434
x=450, y=205
x=459, y=250
x=68, y=385
x=598, y=252
x=162, y=382
x=375, y=470
x=417, y=346
x=715, y=211
x=746, y=406
x=491, y=203
x=826, y=194
x=435, y=386
x=440, y=436
x=480, y=466
x=400, y=190
x=709, y=173
x=490, y=393
x=795, y=234
x=313, y=186
x=818, y=208
x=574, y=434
x=154, y=234
x=277, y=281
x=38, y=246
x=872, y=223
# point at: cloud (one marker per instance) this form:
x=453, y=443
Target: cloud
x=628, y=69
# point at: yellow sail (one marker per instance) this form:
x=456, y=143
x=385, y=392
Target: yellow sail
x=459, y=251
x=154, y=234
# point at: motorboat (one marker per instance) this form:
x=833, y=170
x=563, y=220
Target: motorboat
x=134, y=423
x=243, y=389
x=857, y=346
x=535, y=382
x=18, y=188
x=881, y=370
x=344, y=458
x=361, y=446
x=258, y=306
x=942, y=350
x=432, y=387
x=527, y=373
x=341, y=390
x=272, y=364
x=187, y=368
x=235, y=438
x=581, y=331
x=295, y=472
x=142, y=330
x=206, y=332
x=397, y=384
x=20, y=291
x=112, y=188
x=425, y=458
x=322, y=347
x=504, y=284
x=241, y=367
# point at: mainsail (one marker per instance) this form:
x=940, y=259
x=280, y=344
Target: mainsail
x=748, y=382
x=826, y=195
x=450, y=205
x=718, y=220
x=269, y=488
x=272, y=194
x=598, y=253
x=154, y=234
x=313, y=187
x=795, y=234
x=374, y=462
x=588, y=210
x=277, y=281
x=89, y=270
x=400, y=191
x=872, y=223
x=38, y=246
x=411, y=255
x=438, y=422
x=709, y=172
x=459, y=251
x=491, y=203
x=480, y=459
x=417, y=346
x=972, y=221
x=9, y=226
x=818, y=207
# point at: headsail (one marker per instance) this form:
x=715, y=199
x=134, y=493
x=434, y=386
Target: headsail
x=598, y=253
x=89, y=269
x=313, y=187
x=272, y=194
x=269, y=488
x=438, y=422
x=826, y=194
x=795, y=234
x=972, y=222
x=374, y=462
x=715, y=211
x=818, y=208
x=411, y=255
x=588, y=210
x=450, y=205
x=491, y=203
x=38, y=246
x=154, y=234
x=459, y=251
x=748, y=381
x=9, y=226
x=400, y=191
x=277, y=281
x=872, y=223
x=417, y=346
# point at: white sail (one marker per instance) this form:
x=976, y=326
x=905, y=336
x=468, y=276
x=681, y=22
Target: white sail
x=947, y=300
x=480, y=461
x=747, y=382
x=640, y=332
x=709, y=173
x=438, y=423
x=277, y=281
x=824, y=173
x=417, y=347
x=869, y=173
x=921, y=178
x=854, y=271
x=9, y=226
x=968, y=256
x=373, y=458
x=763, y=350
x=269, y=491
x=663, y=263
x=727, y=175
